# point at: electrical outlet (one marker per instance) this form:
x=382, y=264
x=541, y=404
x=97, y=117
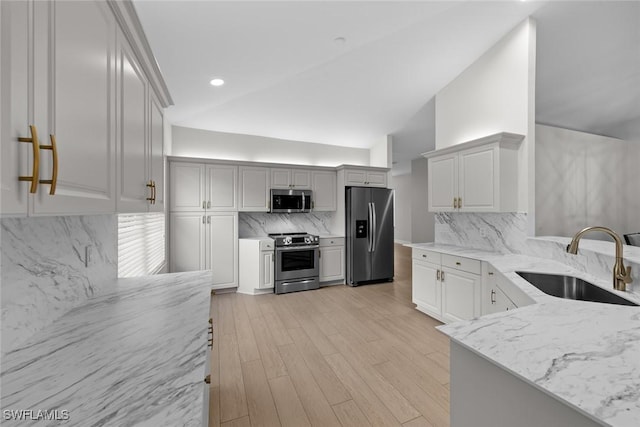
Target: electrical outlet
x=88, y=255
x=483, y=232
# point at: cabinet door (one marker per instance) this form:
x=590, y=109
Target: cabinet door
x=131, y=132
x=156, y=130
x=74, y=92
x=187, y=187
x=301, y=179
x=479, y=180
x=222, y=188
x=426, y=288
x=376, y=179
x=17, y=157
x=460, y=295
x=324, y=189
x=281, y=178
x=266, y=270
x=331, y=263
x=354, y=177
x=254, y=189
x=498, y=301
x=187, y=242
x=222, y=248
x=443, y=182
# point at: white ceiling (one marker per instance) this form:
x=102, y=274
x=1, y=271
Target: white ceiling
x=287, y=77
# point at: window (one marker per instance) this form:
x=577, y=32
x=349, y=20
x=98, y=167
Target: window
x=141, y=244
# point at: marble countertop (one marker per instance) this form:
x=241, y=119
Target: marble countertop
x=134, y=356
x=583, y=353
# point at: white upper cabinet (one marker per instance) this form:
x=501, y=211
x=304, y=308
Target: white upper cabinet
x=132, y=132
x=222, y=187
x=299, y=179
x=324, y=187
x=187, y=187
x=17, y=157
x=254, y=189
x=365, y=177
x=69, y=75
x=74, y=100
x=478, y=176
x=156, y=157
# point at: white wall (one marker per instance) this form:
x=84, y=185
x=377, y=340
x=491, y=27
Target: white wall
x=190, y=142
x=403, y=209
x=422, y=221
x=496, y=94
x=584, y=180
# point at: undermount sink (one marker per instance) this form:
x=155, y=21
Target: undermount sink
x=571, y=288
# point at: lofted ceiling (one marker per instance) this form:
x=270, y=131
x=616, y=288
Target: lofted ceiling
x=288, y=77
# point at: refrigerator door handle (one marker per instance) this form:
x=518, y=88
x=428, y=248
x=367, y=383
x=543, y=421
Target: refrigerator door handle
x=374, y=226
x=369, y=228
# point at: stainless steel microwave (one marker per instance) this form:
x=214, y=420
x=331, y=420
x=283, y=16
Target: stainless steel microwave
x=290, y=201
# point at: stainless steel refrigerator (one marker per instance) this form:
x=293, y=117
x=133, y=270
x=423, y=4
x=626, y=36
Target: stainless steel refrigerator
x=369, y=233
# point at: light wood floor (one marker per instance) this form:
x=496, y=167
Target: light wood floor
x=337, y=356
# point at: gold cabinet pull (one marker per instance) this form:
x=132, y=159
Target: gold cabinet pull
x=455, y=203
x=207, y=379
x=153, y=189
x=459, y=202
x=36, y=159
x=54, y=174
x=442, y=276
x=438, y=275
x=150, y=185
x=210, y=343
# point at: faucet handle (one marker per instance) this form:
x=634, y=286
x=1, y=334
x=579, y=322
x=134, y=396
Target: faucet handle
x=626, y=277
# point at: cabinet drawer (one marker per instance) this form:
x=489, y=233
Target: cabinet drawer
x=425, y=255
x=460, y=263
x=267, y=245
x=331, y=241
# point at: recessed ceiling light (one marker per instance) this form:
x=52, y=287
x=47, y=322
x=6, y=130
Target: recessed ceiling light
x=216, y=82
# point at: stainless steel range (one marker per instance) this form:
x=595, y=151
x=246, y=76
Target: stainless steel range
x=297, y=267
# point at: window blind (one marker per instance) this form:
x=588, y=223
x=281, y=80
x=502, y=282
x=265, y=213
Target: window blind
x=140, y=244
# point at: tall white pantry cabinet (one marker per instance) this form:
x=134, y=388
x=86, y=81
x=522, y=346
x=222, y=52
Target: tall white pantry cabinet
x=204, y=220
x=81, y=110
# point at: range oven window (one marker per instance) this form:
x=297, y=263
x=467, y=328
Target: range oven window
x=303, y=259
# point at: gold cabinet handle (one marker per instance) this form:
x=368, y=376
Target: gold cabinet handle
x=154, y=192
x=438, y=275
x=54, y=174
x=207, y=379
x=442, y=276
x=459, y=202
x=36, y=159
x=150, y=185
x=455, y=203
x=493, y=296
x=209, y=204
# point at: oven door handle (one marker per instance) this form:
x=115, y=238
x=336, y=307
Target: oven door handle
x=303, y=200
x=297, y=248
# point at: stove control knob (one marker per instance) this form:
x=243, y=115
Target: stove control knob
x=307, y=240
x=287, y=240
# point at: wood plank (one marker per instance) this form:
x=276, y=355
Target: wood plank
x=333, y=389
x=430, y=409
x=233, y=402
x=314, y=332
x=226, y=322
x=251, y=305
x=277, y=328
x=313, y=400
x=418, y=422
x=392, y=398
x=375, y=411
x=370, y=354
x=238, y=422
x=284, y=312
x=246, y=341
x=350, y=414
x=290, y=408
x=273, y=364
x=430, y=372
x=262, y=408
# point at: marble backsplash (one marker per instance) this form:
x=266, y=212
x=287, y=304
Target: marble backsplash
x=496, y=232
x=43, y=273
x=507, y=233
x=257, y=224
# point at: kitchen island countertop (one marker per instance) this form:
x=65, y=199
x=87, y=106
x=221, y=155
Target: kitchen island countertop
x=132, y=356
x=582, y=353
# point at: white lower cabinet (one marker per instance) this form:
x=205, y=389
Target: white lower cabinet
x=446, y=287
x=331, y=259
x=257, y=260
x=499, y=294
x=205, y=241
